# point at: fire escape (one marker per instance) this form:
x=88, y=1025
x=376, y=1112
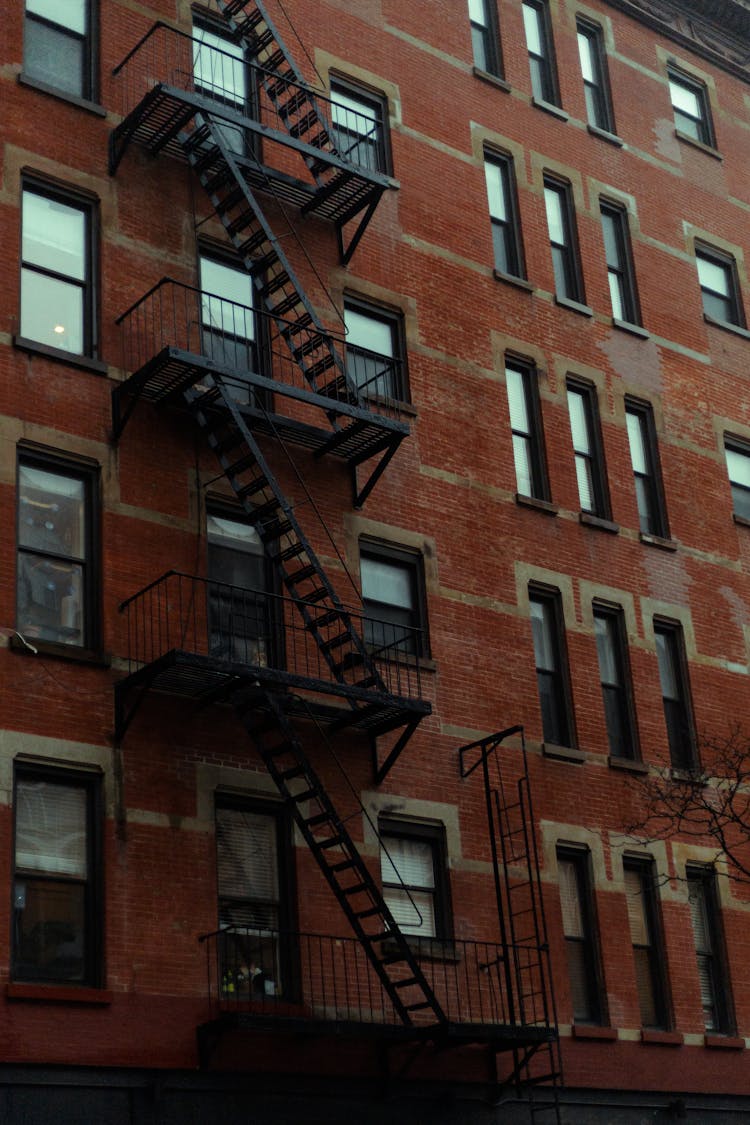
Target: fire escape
x=306, y=654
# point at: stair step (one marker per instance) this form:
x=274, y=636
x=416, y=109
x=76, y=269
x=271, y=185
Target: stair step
x=304, y=124
x=320, y=366
x=326, y=618
x=407, y=982
x=319, y=818
x=234, y=7
x=280, y=83
x=336, y=642
x=292, y=552
x=292, y=772
x=245, y=491
x=277, y=529
x=316, y=595
x=331, y=842
x=319, y=140
x=383, y=935
x=236, y=226
x=268, y=509
x=290, y=302
x=313, y=342
x=419, y=1007
x=293, y=104
x=344, y=865
x=351, y=660
x=355, y=889
x=242, y=465
x=262, y=39
x=300, y=575
x=253, y=243
x=274, y=61
x=278, y=281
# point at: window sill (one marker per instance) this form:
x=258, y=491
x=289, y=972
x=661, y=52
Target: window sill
x=630, y=765
x=727, y=325
x=58, y=993
x=82, y=361
x=511, y=279
x=664, y=1038
x=491, y=79
x=724, y=1042
x=63, y=95
x=563, y=753
x=685, y=774
x=742, y=521
x=633, y=329
x=574, y=306
x=590, y=520
x=590, y=1031
x=549, y=107
x=538, y=504
x=688, y=140
x=401, y=406
x=605, y=135
x=658, y=541
x=27, y=645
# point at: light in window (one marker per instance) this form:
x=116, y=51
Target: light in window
x=54, y=273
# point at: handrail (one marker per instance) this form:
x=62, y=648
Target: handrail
x=144, y=39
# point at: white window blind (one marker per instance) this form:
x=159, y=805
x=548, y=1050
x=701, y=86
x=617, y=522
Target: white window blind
x=51, y=828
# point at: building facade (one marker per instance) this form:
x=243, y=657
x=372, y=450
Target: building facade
x=376, y=472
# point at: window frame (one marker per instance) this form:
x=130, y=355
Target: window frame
x=597, y=91
x=732, y=299
x=545, y=86
x=650, y=497
x=643, y=868
x=372, y=100
x=248, y=106
x=680, y=727
x=88, y=91
x=590, y=942
x=703, y=123
x=88, y=285
x=534, y=436
x=623, y=741
x=741, y=448
x=593, y=456
x=486, y=32
x=550, y=600
x=509, y=224
x=621, y=271
x=411, y=561
x=704, y=875
x=90, y=780
x=566, y=258
x=434, y=835
x=393, y=319
x=89, y=473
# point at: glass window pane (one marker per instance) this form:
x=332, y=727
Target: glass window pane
x=477, y=12
x=54, y=235
x=668, y=671
x=517, y=405
x=637, y=445
x=413, y=911
x=67, y=13
x=52, y=512
x=579, y=423
x=50, y=600
x=606, y=648
x=352, y=114
x=616, y=296
x=738, y=466
x=522, y=462
x=496, y=195
x=585, y=53
x=54, y=57
x=585, y=484
x=369, y=332
x=247, y=860
x=714, y=276
x=555, y=215
x=219, y=66
x=533, y=29
x=50, y=930
x=386, y=582
x=685, y=99
x=542, y=626
x=51, y=828
x=52, y=311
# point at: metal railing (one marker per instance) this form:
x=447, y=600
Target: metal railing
x=262, y=630
x=267, y=972
x=248, y=340
x=236, y=87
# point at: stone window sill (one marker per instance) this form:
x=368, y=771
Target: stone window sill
x=742, y=521
x=549, y=107
x=657, y=541
x=492, y=79
x=538, y=504
x=58, y=993
x=688, y=140
x=563, y=753
x=511, y=279
x=589, y=1031
x=631, y=765
x=83, y=361
x=665, y=1038
x=633, y=329
x=63, y=95
x=32, y=646
x=735, y=329
x=590, y=520
x=605, y=135
x=574, y=306
x=725, y=1042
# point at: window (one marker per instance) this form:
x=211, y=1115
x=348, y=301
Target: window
x=229, y=329
x=56, y=271
x=644, y=457
x=720, y=290
x=240, y=610
x=579, y=929
x=563, y=239
x=413, y=871
x=622, y=289
x=57, y=596
x=587, y=449
x=56, y=886
x=614, y=674
x=675, y=690
x=221, y=74
x=485, y=39
x=737, y=454
x=57, y=45
x=551, y=661
x=692, y=116
x=393, y=600
x=645, y=937
x=252, y=859
x=709, y=949
x=593, y=70
x=541, y=52
x=374, y=351
x=358, y=121
x=522, y=386
x=502, y=201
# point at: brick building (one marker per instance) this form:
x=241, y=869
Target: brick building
x=376, y=445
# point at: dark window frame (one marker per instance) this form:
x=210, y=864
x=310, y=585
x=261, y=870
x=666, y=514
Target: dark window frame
x=558, y=718
x=412, y=562
x=398, y=377
x=373, y=100
x=485, y=39
x=732, y=300
x=593, y=457
x=91, y=782
x=505, y=230
x=620, y=264
x=597, y=91
x=704, y=876
x=566, y=257
x=620, y=717
x=434, y=835
x=655, y=956
x=89, y=473
x=542, y=65
x=589, y=941
x=695, y=128
x=89, y=89
x=534, y=436
x=250, y=107
x=678, y=708
x=740, y=492
x=649, y=485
